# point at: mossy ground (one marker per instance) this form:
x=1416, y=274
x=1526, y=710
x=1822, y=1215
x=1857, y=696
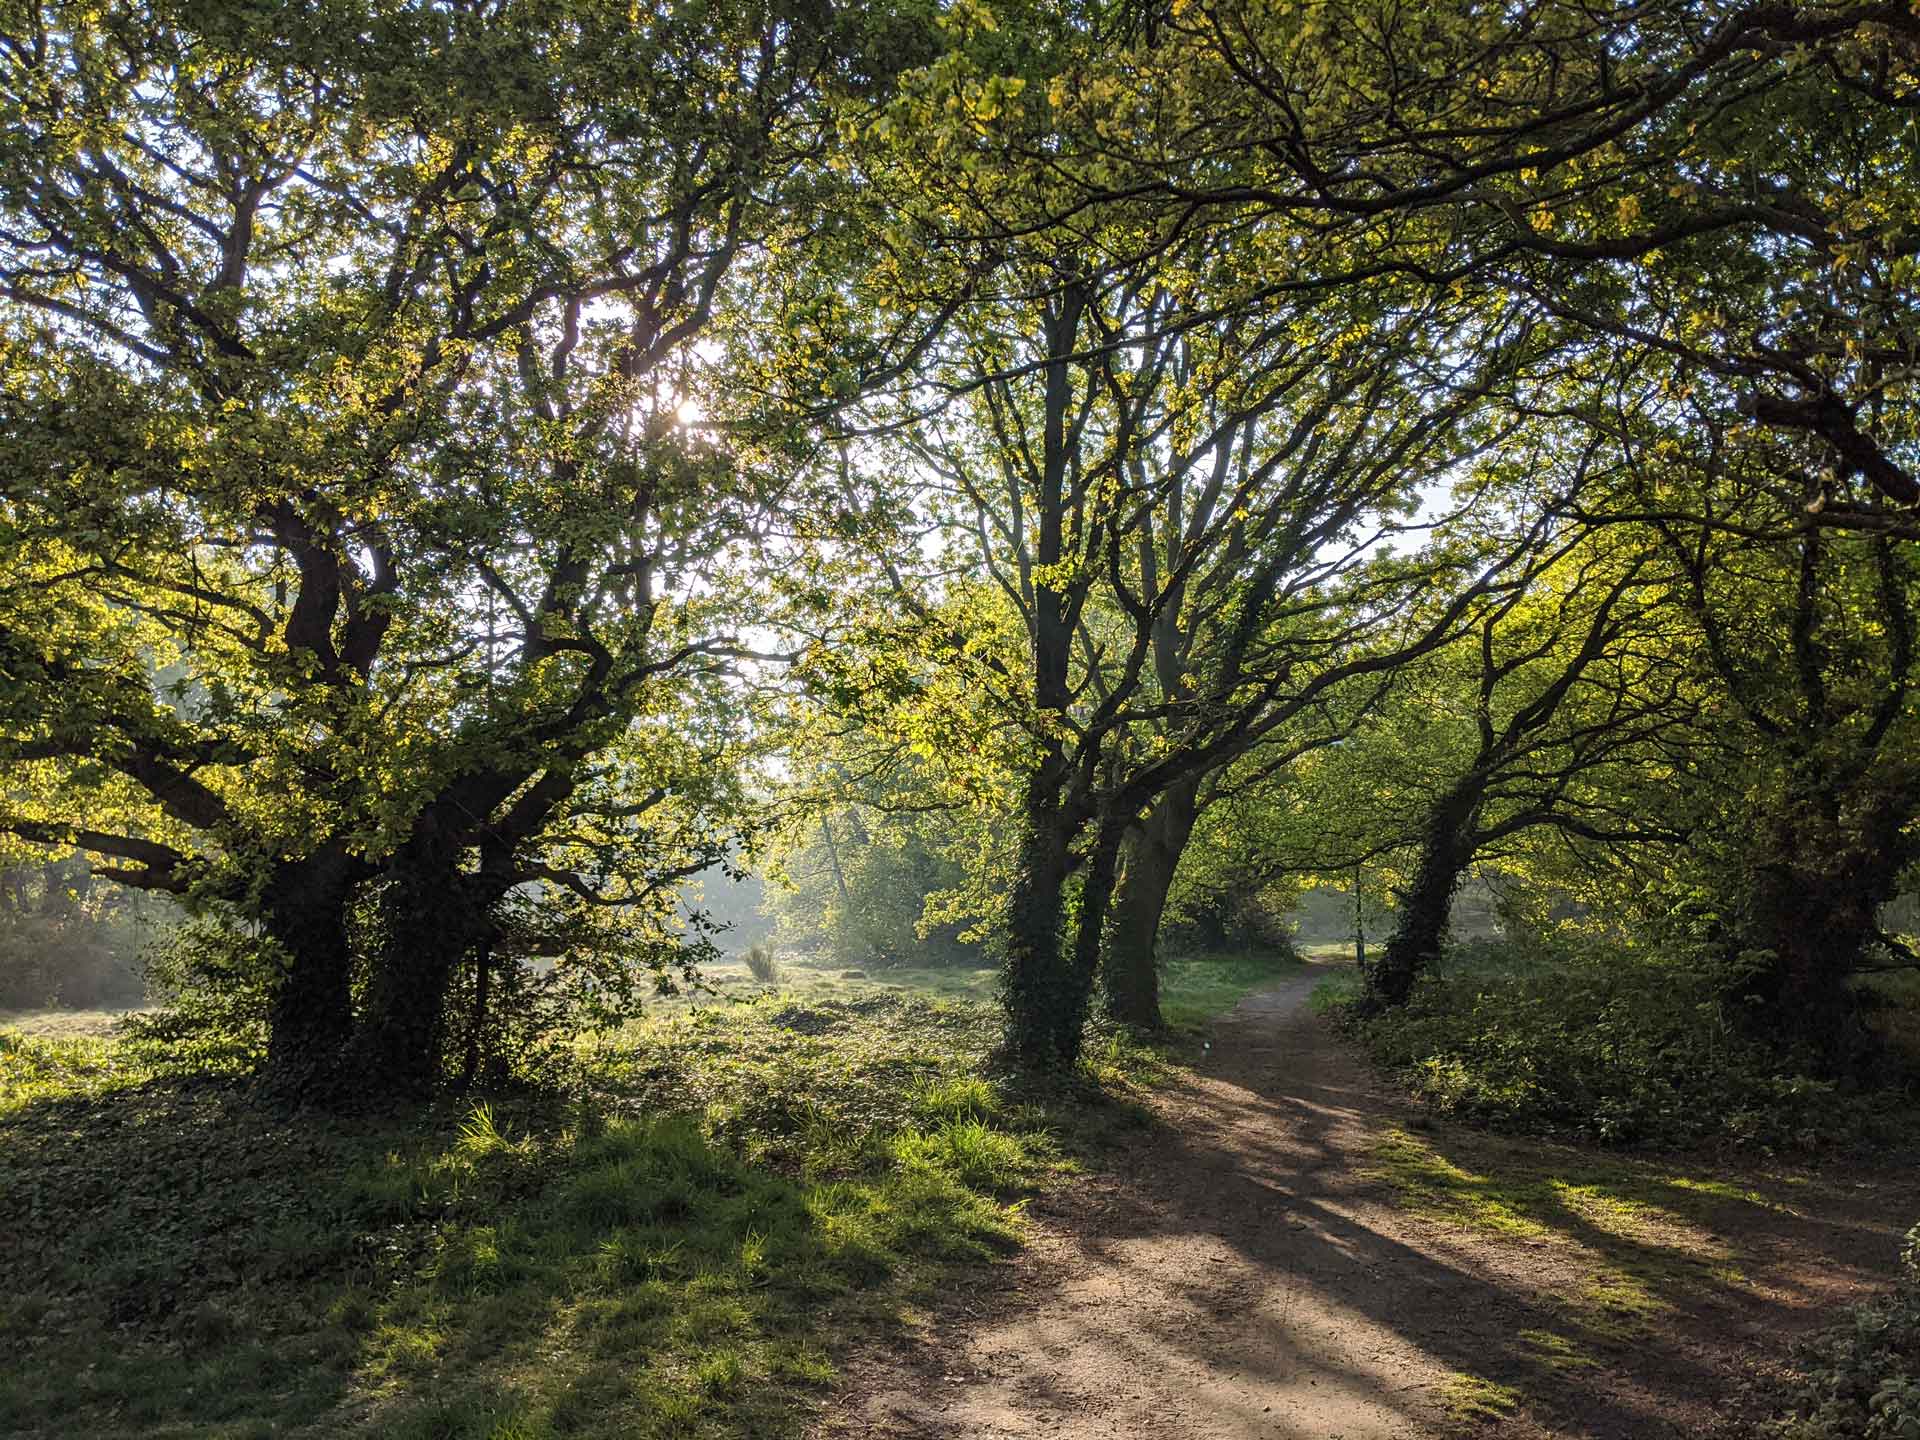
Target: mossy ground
x=1637, y=1237
x=728, y=1196
x=1471, y=1398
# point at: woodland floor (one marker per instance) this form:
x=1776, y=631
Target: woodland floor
x=1295, y=1253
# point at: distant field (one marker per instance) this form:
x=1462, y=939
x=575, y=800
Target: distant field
x=61, y=1024
x=819, y=980
x=1192, y=987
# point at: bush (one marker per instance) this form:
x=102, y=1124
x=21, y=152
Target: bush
x=1606, y=1041
x=214, y=983
x=761, y=964
x=1232, y=922
x=1861, y=1380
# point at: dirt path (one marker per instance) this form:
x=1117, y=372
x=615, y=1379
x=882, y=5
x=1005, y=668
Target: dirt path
x=1293, y=1255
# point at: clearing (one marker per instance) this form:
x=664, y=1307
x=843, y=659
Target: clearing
x=1296, y=1252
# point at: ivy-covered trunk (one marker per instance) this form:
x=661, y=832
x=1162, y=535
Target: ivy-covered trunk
x=1036, y=981
x=1809, y=916
x=1096, y=894
x=428, y=922
x=310, y=1018
x=1129, y=966
x=1446, y=849
x=1804, y=938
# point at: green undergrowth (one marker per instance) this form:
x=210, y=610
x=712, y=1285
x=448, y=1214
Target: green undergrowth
x=1860, y=1379
x=680, y=1247
x=1615, y=1046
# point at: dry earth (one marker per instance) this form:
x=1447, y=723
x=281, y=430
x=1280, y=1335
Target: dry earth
x=1293, y=1254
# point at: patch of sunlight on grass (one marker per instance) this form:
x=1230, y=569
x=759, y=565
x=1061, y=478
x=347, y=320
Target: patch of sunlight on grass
x=1720, y=1190
x=1616, y=1304
x=1555, y=1352
x=1428, y=1183
x=1626, y=1222
x=65, y=1024
x=1532, y=1195
x=1473, y=1398
x=1625, y=1216
x=734, y=1193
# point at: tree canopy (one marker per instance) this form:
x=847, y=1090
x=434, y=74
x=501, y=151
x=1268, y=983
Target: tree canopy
x=467, y=469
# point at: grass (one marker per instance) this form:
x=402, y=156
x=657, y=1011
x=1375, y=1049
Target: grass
x=1193, y=988
x=62, y=1024
x=1470, y=1399
x=734, y=1194
x=1626, y=1251
x=1196, y=988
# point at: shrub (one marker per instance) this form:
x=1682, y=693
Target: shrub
x=214, y=982
x=1596, y=1038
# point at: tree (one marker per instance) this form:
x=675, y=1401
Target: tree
x=1807, y=795
x=352, y=508
x=1528, y=726
x=1351, y=178
x=1178, y=517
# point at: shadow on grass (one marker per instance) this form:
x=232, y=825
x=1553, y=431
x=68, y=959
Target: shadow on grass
x=181, y=1261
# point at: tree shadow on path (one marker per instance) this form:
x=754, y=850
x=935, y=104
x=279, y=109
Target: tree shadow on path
x=1293, y=1252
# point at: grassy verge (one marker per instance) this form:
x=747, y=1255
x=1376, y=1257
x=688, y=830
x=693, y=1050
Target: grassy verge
x=734, y=1194
x=1195, y=988
x=1626, y=1254
x=1638, y=1237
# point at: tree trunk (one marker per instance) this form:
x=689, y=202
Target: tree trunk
x=1445, y=852
x=429, y=921
x=310, y=1018
x=477, y=1021
x=1828, y=858
x=1810, y=930
x=1036, y=982
x=1130, y=967
x=1096, y=893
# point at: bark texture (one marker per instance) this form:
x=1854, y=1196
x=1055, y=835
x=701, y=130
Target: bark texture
x=1130, y=968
